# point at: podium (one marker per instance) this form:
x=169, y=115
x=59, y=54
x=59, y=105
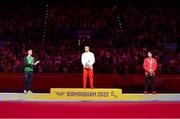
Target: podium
x=97, y=94
x=78, y=94
x=85, y=94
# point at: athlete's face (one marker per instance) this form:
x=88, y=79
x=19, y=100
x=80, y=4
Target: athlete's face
x=86, y=49
x=149, y=54
x=29, y=52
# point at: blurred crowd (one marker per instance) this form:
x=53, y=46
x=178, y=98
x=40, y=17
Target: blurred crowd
x=119, y=36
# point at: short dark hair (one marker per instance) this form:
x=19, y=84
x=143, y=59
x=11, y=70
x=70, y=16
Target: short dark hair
x=150, y=51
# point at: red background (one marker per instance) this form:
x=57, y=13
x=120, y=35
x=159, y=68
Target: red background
x=42, y=82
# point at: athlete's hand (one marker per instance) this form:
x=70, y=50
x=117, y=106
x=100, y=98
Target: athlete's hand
x=36, y=62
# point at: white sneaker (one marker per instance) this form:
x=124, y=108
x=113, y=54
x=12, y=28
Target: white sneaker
x=25, y=92
x=29, y=92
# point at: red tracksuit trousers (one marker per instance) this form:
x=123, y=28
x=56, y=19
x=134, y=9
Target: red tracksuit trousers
x=86, y=73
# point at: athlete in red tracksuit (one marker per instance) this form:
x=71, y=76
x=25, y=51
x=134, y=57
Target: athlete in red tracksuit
x=87, y=60
x=150, y=65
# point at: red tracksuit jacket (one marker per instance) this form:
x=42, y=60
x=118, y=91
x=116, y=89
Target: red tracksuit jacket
x=150, y=63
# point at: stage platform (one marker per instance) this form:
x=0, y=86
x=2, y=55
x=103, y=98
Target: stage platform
x=78, y=95
x=89, y=103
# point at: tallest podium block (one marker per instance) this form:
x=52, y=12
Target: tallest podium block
x=85, y=94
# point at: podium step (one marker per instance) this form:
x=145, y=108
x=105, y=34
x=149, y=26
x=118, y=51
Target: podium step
x=87, y=94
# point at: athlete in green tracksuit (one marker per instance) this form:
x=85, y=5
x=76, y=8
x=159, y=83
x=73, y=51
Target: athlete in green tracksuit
x=28, y=71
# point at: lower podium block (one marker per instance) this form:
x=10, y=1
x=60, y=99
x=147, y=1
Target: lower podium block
x=85, y=94
x=98, y=94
